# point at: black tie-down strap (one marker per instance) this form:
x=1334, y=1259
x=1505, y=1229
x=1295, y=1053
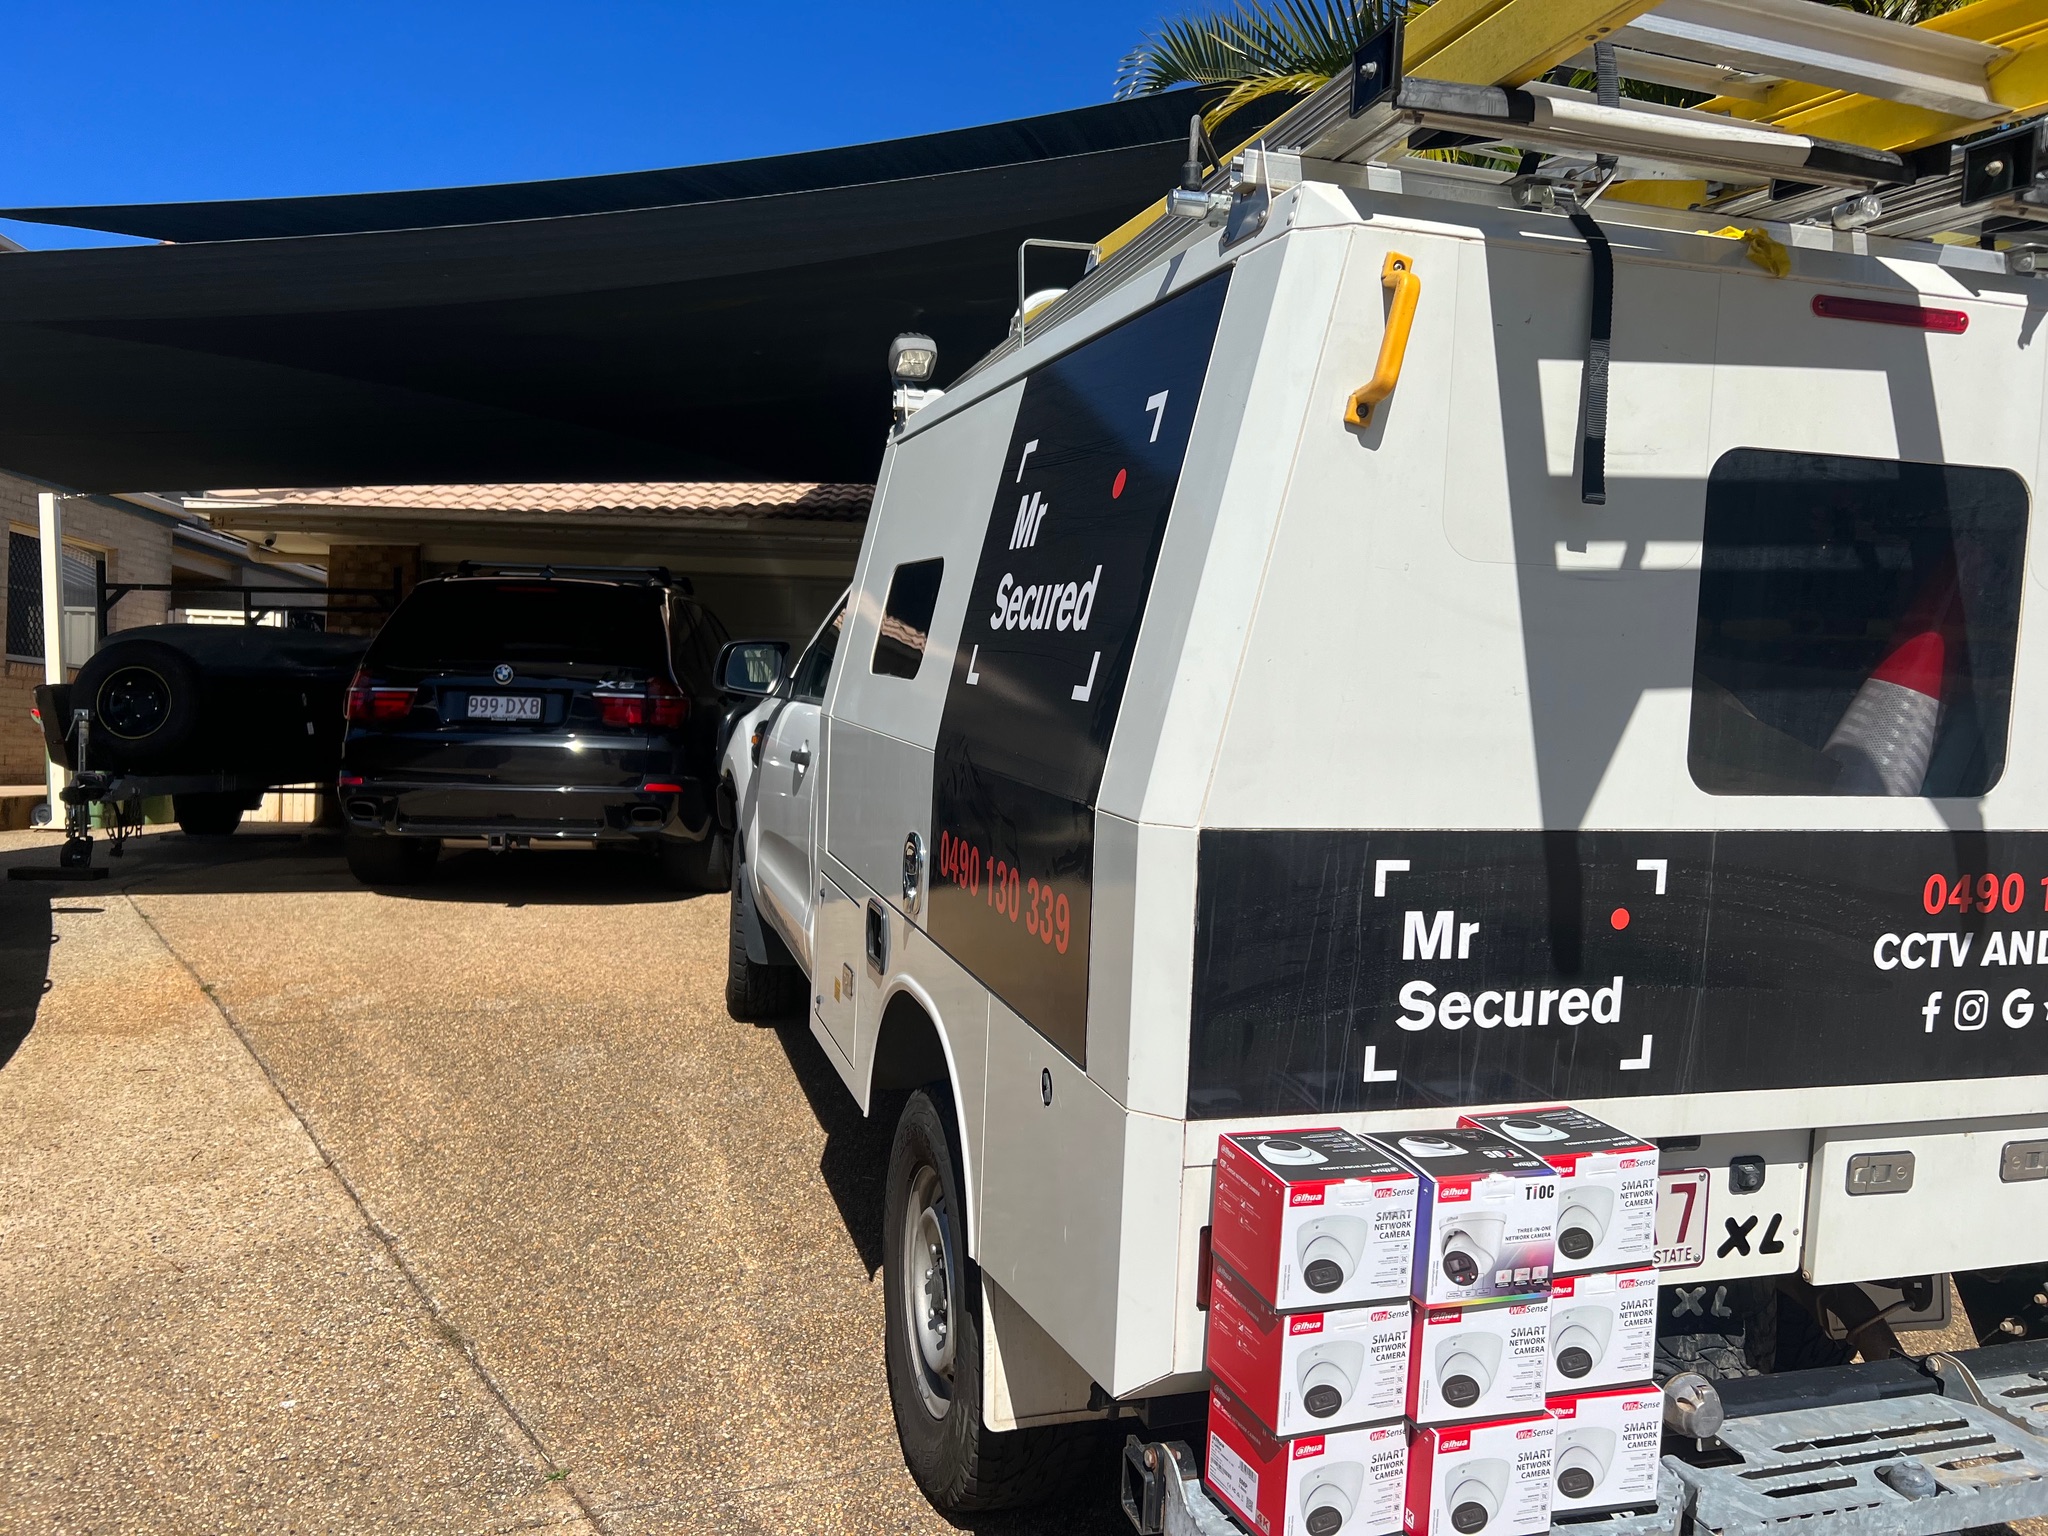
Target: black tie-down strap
x=1599, y=336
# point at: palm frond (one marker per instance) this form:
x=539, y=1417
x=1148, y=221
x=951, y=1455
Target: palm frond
x=1258, y=49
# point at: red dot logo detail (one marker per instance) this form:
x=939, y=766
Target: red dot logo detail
x=1116, y=488
x=1619, y=920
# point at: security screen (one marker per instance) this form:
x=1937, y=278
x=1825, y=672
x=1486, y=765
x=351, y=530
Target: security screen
x=1857, y=622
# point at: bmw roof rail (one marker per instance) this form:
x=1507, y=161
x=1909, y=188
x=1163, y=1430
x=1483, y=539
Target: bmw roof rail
x=659, y=575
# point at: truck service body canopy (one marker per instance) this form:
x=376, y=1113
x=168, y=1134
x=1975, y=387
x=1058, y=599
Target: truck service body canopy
x=1273, y=770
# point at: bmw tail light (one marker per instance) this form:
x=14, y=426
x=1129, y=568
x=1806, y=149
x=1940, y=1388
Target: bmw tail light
x=666, y=705
x=660, y=706
x=371, y=705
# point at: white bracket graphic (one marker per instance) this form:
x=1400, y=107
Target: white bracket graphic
x=1381, y=868
x=1029, y=449
x=1374, y=1072
x=1657, y=867
x=1640, y=1063
x=973, y=676
x=1157, y=406
x=1081, y=693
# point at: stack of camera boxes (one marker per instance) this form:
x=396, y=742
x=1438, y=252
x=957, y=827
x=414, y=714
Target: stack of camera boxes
x=1518, y=1361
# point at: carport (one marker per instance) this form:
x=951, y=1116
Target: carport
x=680, y=367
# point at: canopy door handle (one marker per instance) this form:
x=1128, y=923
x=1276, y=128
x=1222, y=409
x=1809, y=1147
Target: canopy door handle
x=1397, y=273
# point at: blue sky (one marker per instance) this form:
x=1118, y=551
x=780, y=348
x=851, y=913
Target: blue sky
x=117, y=102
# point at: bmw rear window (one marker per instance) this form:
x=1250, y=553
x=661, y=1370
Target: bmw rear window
x=469, y=624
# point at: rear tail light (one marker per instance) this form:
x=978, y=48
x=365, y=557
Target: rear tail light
x=662, y=789
x=667, y=704
x=351, y=781
x=660, y=706
x=371, y=705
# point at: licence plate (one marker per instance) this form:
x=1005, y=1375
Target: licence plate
x=1682, y=1217
x=504, y=706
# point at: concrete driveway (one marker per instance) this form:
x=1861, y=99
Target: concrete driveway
x=469, y=1210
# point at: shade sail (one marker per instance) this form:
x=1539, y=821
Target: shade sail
x=735, y=338
x=1052, y=136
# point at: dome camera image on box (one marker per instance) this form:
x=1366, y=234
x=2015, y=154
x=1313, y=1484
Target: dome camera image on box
x=1583, y=1217
x=1491, y=1478
x=1467, y=1365
x=1578, y=1340
x=1328, y=1374
x=1478, y=1362
x=1471, y=1243
x=1582, y=1460
x=1603, y=1329
x=1329, y=1497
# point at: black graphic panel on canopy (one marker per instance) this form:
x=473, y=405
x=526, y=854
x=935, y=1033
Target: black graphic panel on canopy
x=1052, y=620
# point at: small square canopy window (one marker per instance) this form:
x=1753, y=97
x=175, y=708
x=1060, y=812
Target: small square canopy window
x=907, y=618
x=1856, y=626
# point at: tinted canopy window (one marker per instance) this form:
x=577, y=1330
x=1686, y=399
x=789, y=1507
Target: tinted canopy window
x=481, y=623
x=1856, y=627
x=907, y=618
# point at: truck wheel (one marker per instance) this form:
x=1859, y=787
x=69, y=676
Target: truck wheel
x=1718, y=1328
x=705, y=865
x=758, y=994
x=207, y=815
x=377, y=858
x=932, y=1293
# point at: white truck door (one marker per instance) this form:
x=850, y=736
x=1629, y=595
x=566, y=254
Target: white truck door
x=791, y=754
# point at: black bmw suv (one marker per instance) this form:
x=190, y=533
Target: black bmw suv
x=537, y=703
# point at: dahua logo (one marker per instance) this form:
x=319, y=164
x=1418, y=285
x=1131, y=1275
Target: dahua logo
x=1305, y=1197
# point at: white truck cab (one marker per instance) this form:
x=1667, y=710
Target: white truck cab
x=1188, y=758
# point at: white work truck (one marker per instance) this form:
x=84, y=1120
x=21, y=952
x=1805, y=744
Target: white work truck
x=1188, y=758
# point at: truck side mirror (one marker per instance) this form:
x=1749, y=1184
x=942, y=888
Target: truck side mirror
x=751, y=668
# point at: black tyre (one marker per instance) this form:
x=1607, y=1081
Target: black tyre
x=376, y=858
x=208, y=815
x=705, y=865
x=1802, y=1344
x=1718, y=1328
x=145, y=701
x=932, y=1293
x=759, y=994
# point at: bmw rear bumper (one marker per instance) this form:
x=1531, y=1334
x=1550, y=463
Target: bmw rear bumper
x=554, y=813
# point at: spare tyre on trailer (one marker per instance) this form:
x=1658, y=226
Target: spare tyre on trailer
x=210, y=715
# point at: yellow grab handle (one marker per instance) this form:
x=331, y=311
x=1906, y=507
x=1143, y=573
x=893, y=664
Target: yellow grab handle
x=1397, y=273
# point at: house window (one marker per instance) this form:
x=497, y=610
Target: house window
x=25, y=600
x=1857, y=624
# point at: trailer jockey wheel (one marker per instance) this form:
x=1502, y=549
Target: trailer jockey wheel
x=932, y=1291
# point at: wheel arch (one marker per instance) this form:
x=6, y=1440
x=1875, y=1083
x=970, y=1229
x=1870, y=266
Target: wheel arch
x=912, y=1050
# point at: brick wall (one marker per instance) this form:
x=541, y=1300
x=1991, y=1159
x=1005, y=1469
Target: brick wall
x=366, y=565
x=136, y=547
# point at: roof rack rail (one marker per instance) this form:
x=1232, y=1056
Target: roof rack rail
x=1905, y=97
x=657, y=575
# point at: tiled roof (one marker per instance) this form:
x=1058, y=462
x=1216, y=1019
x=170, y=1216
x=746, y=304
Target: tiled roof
x=682, y=498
